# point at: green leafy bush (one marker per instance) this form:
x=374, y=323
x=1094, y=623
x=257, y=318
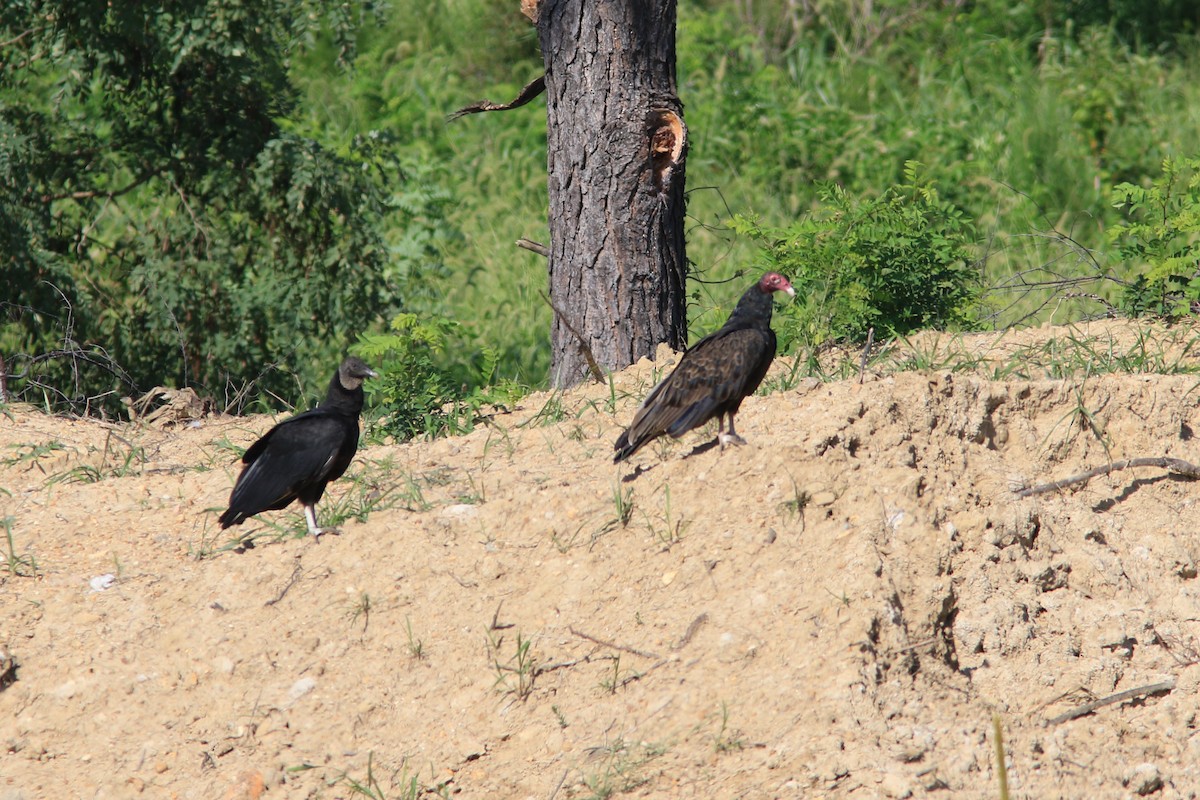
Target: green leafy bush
x=896, y=263
x=417, y=395
x=162, y=222
x=1161, y=237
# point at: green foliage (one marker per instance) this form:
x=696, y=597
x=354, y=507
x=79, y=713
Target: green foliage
x=413, y=68
x=896, y=263
x=1161, y=238
x=1020, y=120
x=417, y=395
x=190, y=195
x=17, y=565
x=161, y=224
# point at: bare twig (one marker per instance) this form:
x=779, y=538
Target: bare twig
x=542, y=670
x=1120, y=697
x=561, y=781
x=16, y=39
x=291, y=582
x=1176, y=466
x=862, y=366
x=88, y=194
x=691, y=631
x=612, y=645
x=497, y=625
x=593, y=367
x=527, y=93
x=535, y=247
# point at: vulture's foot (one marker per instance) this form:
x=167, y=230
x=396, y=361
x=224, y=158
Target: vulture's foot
x=319, y=532
x=730, y=438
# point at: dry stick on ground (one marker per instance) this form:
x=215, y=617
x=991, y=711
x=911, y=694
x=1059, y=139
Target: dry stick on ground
x=1174, y=465
x=612, y=645
x=1119, y=697
x=291, y=582
x=691, y=631
x=866, y=353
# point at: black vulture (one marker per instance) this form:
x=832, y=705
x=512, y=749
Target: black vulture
x=714, y=376
x=299, y=456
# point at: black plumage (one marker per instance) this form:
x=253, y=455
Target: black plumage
x=297, y=458
x=714, y=376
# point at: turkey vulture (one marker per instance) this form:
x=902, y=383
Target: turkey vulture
x=299, y=456
x=714, y=376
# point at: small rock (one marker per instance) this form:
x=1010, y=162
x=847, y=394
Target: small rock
x=102, y=582
x=250, y=786
x=460, y=511
x=490, y=568
x=895, y=785
x=823, y=499
x=1143, y=779
x=302, y=687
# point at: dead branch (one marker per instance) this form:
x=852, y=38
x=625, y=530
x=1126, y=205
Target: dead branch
x=593, y=367
x=612, y=645
x=866, y=353
x=534, y=247
x=542, y=670
x=291, y=582
x=527, y=93
x=1175, y=466
x=109, y=194
x=691, y=631
x=1120, y=697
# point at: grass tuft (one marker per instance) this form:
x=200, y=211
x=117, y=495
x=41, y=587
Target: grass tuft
x=18, y=566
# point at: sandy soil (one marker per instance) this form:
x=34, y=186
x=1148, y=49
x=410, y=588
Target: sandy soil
x=848, y=606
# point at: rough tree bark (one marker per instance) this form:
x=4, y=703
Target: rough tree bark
x=616, y=147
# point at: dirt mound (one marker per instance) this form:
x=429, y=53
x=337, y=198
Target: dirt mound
x=846, y=607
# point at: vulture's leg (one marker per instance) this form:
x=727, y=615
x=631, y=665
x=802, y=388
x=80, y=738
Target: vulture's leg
x=310, y=516
x=728, y=438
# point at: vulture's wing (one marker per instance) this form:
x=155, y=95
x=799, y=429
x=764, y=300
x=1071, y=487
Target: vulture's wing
x=297, y=452
x=718, y=371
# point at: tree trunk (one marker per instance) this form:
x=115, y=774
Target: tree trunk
x=616, y=145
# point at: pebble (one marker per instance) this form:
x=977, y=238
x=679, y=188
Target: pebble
x=102, y=582
x=1144, y=779
x=302, y=687
x=491, y=568
x=894, y=785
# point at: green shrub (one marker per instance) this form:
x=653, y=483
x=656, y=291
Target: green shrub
x=896, y=263
x=1161, y=238
x=163, y=222
x=417, y=395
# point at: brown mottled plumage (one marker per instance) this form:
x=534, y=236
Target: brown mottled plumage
x=714, y=376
